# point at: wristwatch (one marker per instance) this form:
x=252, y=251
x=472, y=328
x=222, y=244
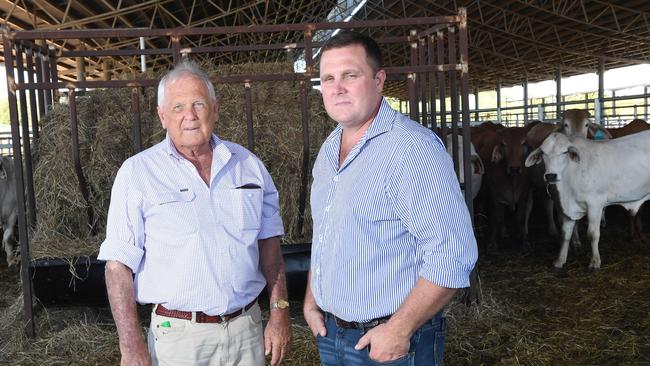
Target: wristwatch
x=280, y=304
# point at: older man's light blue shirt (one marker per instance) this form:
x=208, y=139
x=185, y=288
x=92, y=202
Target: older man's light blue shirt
x=392, y=213
x=192, y=247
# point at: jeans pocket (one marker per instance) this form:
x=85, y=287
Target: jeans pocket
x=439, y=337
x=405, y=360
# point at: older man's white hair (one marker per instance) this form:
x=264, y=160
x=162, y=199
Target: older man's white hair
x=183, y=69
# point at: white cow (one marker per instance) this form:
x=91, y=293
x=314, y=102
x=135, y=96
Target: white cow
x=475, y=162
x=590, y=175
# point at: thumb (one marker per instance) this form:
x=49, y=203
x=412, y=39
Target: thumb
x=322, y=331
x=363, y=342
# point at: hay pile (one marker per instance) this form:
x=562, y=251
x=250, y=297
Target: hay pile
x=104, y=119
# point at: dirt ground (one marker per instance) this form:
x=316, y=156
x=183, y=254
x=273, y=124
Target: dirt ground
x=529, y=314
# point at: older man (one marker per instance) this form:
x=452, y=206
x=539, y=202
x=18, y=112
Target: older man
x=393, y=238
x=196, y=220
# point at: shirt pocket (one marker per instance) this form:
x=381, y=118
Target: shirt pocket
x=172, y=215
x=248, y=204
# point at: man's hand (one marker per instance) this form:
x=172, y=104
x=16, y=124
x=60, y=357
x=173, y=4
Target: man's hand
x=315, y=319
x=385, y=343
x=277, y=335
x=135, y=354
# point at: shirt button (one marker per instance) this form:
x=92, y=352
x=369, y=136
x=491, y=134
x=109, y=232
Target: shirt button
x=317, y=271
x=336, y=178
x=327, y=209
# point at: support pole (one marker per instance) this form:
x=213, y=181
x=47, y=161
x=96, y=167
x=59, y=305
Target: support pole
x=601, y=91
x=498, y=101
x=525, y=85
x=558, y=94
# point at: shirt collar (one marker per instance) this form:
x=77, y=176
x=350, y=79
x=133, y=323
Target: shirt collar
x=383, y=122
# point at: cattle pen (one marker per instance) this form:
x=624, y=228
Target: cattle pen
x=84, y=92
x=438, y=47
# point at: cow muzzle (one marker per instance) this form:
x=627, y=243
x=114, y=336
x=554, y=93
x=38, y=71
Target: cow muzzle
x=551, y=177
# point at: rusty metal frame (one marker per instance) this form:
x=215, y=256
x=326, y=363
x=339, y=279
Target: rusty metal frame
x=42, y=85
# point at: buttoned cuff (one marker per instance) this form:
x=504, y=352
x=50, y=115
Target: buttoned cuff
x=123, y=252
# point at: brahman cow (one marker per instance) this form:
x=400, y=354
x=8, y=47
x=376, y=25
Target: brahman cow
x=9, y=208
x=574, y=123
x=590, y=175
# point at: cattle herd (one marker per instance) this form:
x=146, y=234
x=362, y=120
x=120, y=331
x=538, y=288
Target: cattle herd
x=578, y=167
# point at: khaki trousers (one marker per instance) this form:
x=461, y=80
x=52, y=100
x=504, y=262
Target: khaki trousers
x=179, y=342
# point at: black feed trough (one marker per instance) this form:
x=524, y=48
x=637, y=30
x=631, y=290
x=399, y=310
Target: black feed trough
x=55, y=285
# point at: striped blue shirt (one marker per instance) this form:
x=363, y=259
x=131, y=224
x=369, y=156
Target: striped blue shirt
x=391, y=213
x=192, y=247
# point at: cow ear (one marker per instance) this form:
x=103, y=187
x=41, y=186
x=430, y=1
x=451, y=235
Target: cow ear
x=594, y=129
x=534, y=158
x=573, y=154
x=477, y=164
x=497, y=153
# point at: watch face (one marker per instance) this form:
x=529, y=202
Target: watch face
x=282, y=304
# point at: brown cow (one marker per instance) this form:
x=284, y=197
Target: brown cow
x=503, y=153
x=635, y=126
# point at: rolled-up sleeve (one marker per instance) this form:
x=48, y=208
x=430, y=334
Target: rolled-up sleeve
x=429, y=202
x=125, y=225
x=271, y=220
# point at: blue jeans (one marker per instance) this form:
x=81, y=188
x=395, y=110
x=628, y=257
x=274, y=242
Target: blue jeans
x=337, y=347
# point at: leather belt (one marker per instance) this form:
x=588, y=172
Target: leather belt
x=201, y=317
x=355, y=325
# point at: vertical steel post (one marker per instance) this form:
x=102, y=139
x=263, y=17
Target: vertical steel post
x=453, y=97
x=248, y=102
x=27, y=150
x=414, y=109
x=432, y=83
x=422, y=81
x=526, y=101
x=32, y=96
x=25, y=275
x=304, y=112
x=136, y=130
x=39, y=79
x=499, y=101
x=476, y=104
x=601, y=90
x=442, y=84
x=558, y=94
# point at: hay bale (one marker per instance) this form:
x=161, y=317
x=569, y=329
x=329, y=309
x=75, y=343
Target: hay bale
x=105, y=136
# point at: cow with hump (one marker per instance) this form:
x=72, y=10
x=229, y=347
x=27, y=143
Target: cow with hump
x=590, y=175
x=574, y=123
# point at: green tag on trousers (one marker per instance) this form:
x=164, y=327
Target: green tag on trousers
x=166, y=324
